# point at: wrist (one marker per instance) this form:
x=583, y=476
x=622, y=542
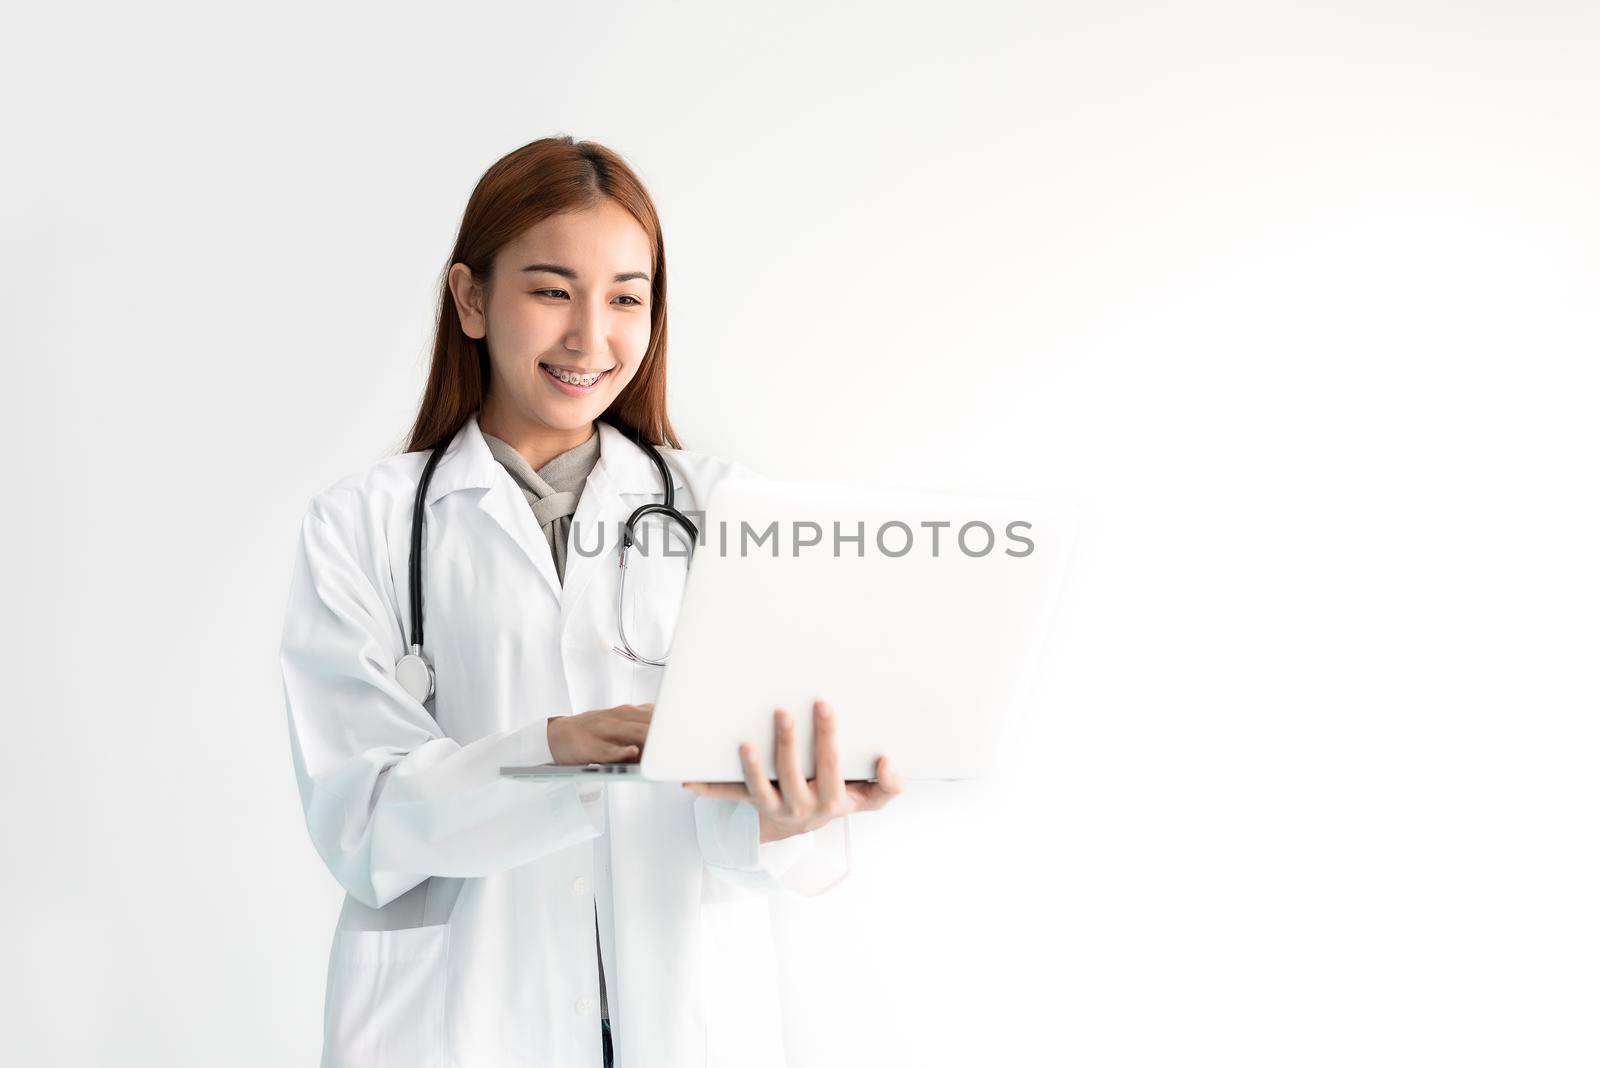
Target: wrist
x=550, y=739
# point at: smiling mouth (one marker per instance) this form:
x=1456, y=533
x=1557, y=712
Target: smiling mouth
x=577, y=379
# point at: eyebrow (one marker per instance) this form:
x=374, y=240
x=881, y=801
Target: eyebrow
x=571, y=275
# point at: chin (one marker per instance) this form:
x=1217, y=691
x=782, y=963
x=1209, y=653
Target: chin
x=569, y=417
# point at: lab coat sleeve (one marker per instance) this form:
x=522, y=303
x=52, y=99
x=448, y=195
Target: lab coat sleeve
x=388, y=798
x=806, y=864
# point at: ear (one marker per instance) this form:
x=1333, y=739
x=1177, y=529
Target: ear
x=469, y=298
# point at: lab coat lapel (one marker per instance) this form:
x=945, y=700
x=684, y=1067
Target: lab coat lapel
x=593, y=536
x=505, y=503
x=467, y=464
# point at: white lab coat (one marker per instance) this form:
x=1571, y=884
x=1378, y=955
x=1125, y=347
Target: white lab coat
x=467, y=936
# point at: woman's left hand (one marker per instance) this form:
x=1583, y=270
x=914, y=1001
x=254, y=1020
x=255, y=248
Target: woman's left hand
x=801, y=805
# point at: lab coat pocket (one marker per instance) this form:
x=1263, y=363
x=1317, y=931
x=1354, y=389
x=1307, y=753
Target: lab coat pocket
x=386, y=998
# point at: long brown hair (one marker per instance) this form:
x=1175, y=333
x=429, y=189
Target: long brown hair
x=532, y=183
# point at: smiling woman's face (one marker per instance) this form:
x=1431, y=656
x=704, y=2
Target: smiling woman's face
x=567, y=300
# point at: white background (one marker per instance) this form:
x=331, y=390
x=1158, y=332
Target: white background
x=1296, y=302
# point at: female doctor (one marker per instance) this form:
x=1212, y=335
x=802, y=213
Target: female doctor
x=494, y=921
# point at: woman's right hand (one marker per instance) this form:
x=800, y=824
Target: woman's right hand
x=604, y=736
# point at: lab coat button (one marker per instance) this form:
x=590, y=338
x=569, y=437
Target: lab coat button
x=580, y=885
x=584, y=1006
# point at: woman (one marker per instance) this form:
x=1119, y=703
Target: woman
x=495, y=921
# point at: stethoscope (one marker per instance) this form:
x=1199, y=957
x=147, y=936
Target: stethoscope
x=415, y=673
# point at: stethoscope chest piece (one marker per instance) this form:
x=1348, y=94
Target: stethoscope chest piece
x=414, y=675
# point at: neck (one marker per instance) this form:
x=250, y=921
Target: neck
x=538, y=443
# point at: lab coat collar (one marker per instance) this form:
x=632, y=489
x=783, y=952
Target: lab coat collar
x=622, y=469
x=628, y=466
x=467, y=463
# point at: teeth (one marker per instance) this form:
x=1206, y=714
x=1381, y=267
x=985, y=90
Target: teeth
x=576, y=380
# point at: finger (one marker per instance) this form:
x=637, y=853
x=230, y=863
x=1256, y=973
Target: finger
x=796, y=794
x=889, y=778
x=633, y=713
x=731, y=790
x=762, y=795
x=628, y=733
x=868, y=796
x=830, y=784
x=874, y=795
x=623, y=754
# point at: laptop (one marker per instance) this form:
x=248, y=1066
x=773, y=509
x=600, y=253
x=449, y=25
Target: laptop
x=920, y=617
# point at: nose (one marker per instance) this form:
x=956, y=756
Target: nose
x=588, y=329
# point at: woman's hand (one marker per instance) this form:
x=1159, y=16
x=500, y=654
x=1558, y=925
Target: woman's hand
x=604, y=736
x=804, y=805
